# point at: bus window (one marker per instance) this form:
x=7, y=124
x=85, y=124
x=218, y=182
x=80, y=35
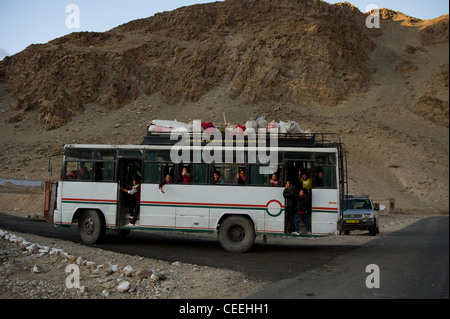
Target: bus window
x=199, y=173
x=157, y=156
x=265, y=175
x=241, y=175
x=325, y=159
x=105, y=155
x=104, y=171
x=155, y=172
x=258, y=176
x=325, y=177
x=325, y=172
x=185, y=174
x=232, y=173
x=131, y=153
x=78, y=154
x=78, y=170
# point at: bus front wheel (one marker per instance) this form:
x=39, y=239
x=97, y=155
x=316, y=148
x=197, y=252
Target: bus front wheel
x=91, y=227
x=236, y=234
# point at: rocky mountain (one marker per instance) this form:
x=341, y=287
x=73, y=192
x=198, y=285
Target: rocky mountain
x=305, y=52
x=386, y=90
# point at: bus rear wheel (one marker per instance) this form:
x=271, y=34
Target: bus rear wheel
x=236, y=234
x=91, y=227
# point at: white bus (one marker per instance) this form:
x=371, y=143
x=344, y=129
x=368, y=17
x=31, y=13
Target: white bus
x=237, y=209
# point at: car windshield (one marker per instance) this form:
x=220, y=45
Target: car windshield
x=358, y=203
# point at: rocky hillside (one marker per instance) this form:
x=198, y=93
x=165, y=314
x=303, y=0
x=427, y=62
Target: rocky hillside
x=304, y=52
x=386, y=91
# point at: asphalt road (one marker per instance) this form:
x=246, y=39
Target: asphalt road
x=412, y=263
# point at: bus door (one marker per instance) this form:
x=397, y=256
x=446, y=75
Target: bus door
x=293, y=170
x=128, y=169
x=324, y=211
x=325, y=199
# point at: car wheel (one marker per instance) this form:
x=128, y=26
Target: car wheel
x=373, y=229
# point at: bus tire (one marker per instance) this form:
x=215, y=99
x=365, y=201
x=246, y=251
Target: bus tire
x=236, y=234
x=91, y=227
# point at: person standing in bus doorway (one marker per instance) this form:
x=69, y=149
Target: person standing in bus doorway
x=135, y=191
x=290, y=205
x=302, y=208
x=306, y=182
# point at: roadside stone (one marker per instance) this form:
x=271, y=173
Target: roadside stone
x=144, y=273
x=55, y=252
x=154, y=277
x=105, y=293
x=37, y=269
x=72, y=258
x=32, y=248
x=80, y=261
x=127, y=271
x=123, y=287
x=91, y=265
x=133, y=287
x=23, y=245
x=170, y=284
x=109, y=284
x=83, y=290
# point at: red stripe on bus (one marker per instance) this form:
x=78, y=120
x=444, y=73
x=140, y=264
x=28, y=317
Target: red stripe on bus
x=202, y=204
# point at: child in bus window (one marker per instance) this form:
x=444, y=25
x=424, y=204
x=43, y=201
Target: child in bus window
x=241, y=177
x=218, y=179
x=167, y=180
x=274, y=181
x=319, y=179
x=83, y=172
x=186, y=177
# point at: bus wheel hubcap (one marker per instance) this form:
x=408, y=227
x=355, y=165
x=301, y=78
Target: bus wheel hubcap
x=89, y=226
x=237, y=233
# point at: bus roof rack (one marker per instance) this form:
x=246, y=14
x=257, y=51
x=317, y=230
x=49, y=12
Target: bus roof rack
x=284, y=140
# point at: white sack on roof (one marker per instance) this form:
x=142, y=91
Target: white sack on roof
x=160, y=126
x=292, y=127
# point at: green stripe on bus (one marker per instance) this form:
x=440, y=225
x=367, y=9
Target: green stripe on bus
x=90, y=203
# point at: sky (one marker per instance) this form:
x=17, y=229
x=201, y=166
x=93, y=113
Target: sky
x=25, y=22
